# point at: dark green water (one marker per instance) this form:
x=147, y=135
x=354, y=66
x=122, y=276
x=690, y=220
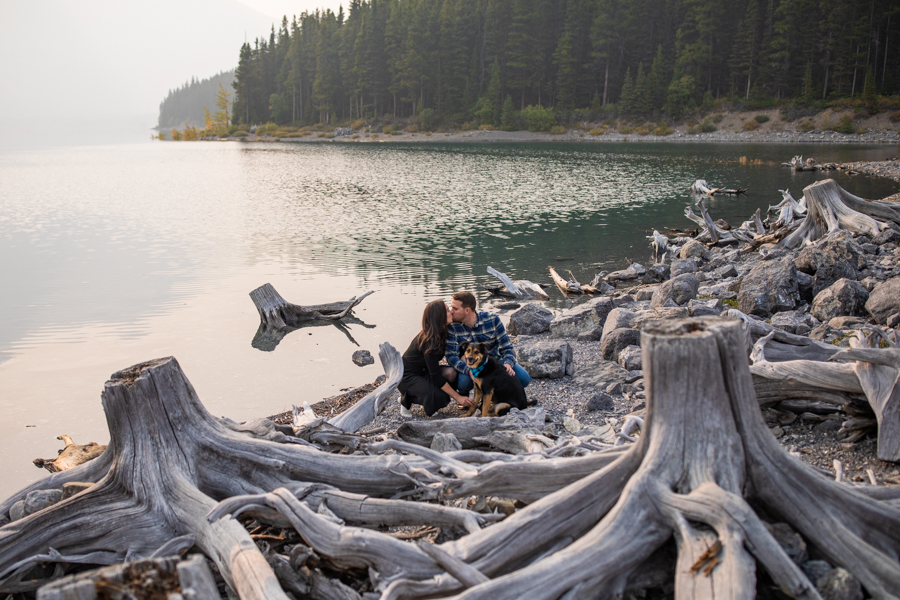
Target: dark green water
x=114, y=255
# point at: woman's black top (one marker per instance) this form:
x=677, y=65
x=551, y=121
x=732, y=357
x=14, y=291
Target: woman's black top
x=416, y=362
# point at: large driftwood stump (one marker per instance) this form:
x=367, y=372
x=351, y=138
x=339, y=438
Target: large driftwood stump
x=276, y=312
x=521, y=289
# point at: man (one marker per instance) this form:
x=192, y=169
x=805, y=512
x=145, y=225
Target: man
x=471, y=326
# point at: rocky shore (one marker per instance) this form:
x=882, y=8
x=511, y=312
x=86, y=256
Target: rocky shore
x=586, y=361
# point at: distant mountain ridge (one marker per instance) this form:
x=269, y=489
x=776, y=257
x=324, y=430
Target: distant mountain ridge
x=184, y=105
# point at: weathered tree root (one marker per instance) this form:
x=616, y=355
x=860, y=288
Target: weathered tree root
x=71, y=456
x=704, y=460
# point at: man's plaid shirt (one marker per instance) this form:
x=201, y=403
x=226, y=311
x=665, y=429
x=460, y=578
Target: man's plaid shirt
x=487, y=329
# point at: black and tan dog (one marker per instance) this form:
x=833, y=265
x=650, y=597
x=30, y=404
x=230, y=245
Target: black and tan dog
x=496, y=391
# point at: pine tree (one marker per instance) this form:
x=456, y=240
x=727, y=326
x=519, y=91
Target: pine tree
x=565, y=72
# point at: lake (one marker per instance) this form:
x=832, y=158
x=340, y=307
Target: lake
x=112, y=255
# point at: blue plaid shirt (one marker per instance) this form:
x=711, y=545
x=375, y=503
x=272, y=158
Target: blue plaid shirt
x=487, y=329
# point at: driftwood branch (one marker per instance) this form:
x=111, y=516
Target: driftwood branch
x=276, y=312
x=521, y=289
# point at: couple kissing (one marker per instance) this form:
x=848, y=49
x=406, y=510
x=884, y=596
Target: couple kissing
x=444, y=328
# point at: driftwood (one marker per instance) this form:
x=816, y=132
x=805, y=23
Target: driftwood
x=703, y=464
x=566, y=287
x=364, y=412
x=276, y=312
x=702, y=188
x=829, y=208
x=521, y=289
x=71, y=456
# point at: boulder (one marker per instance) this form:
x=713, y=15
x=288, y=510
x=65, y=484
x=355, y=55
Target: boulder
x=630, y=358
x=724, y=272
x=703, y=308
x=600, y=402
x=815, y=569
x=445, y=442
x=618, y=318
x=686, y=265
x=847, y=322
x=835, y=256
x=593, y=335
x=599, y=374
x=769, y=287
x=550, y=359
x=617, y=340
x=839, y=584
x=655, y=314
x=693, y=249
x=531, y=319
x=679, y=289
x=886, y=237
x=843, y=298
x=794, y=321
x=584, y=317
x=660, y=271
x=884, y=300
x=720, y=291
x=645, y=294
x=790, y=541
x=362, y=358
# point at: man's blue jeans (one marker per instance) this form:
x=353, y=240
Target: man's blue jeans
x=464, y=383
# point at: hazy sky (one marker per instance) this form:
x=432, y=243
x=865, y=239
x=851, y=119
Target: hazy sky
x=81, y=63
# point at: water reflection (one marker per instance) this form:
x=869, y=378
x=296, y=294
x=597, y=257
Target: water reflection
x=267, y=338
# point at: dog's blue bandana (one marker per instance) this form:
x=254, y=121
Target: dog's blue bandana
x=476, y=372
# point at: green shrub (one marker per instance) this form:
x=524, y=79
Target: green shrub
x=240, y=133
x=387, y=129
x=895, y=117
x=750, y=125
x=845, y=126
x=557, y=130
x=625, y=129
x=596, y=131
x=806, y=125
x=538, y=118
x=354, y=136
x=662, y=130
x=643, y=130
x=358, y=124
x=706, y=127
x=731, y=302
x=266, y=129
x=321, y=134
x=412, y=128
x=428, y=120
x=761, y=118
x=718, y=118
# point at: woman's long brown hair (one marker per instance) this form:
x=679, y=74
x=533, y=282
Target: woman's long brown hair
x=433, y=337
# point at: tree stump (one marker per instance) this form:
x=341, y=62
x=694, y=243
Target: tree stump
x=276, y=312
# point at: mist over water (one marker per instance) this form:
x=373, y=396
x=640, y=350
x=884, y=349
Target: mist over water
x=112, y=255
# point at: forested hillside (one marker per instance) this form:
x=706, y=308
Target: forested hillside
x=462, y=60
x=185, y=105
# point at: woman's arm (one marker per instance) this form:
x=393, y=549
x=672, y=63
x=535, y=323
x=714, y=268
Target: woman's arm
x=464, y=400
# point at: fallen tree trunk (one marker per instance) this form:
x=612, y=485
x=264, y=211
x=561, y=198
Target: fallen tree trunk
x=566, y=287
x=71, y=456
x=521, y=289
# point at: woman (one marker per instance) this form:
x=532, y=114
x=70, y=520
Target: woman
x=425, y=381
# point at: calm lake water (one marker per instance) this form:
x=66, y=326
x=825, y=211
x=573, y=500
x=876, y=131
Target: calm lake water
x=112, y=255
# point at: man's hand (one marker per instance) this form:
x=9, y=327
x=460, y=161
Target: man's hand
x=509, y=368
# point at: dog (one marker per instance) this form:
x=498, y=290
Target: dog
x=496, y=391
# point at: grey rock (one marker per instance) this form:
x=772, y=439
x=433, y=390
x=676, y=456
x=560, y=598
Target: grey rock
x=870, y=282
x=790, y=541
x=551, y=359
x=815, y=569
x=839, y=584
x=638, y=268
x=806, y=285
x=724, y=272
x=38, y=500
x=769, y=287
x=645, y=293
x=693, y=249
x=843, y=298
x=623, y=301
x=701, y=308
x=615, y=388
x=600, y=402
x=821, y=333
x=829, y=426
x=655, y=314
x=17, y=511
x=847, y=322
x=628, y=274
x=630, y=358
x=884, y=300
x=660, y=271
x=869, y=248
x=584, y=317
x=511, y=305
x=593, y=335
x=618, y=318
x=633, y=376
x=531, y=319
x=835, y=256
x=362, y=358
x=685, y=265
x=445, y=442
x=720, y=291
x=893, y=321
x=793, y=321
x=679, y=289
x=597, y=373
x=887, y=236
x=617, y=340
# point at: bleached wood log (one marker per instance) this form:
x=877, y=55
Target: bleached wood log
x=566, y=287
x=521, y=289
x=660, y=244
x=828, y=211
x=276, y=312
x=70, y=456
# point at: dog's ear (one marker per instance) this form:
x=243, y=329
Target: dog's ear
x=463, y=347
x=483, y=348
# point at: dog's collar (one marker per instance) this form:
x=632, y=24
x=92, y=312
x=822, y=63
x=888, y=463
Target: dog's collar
x=476, y=372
